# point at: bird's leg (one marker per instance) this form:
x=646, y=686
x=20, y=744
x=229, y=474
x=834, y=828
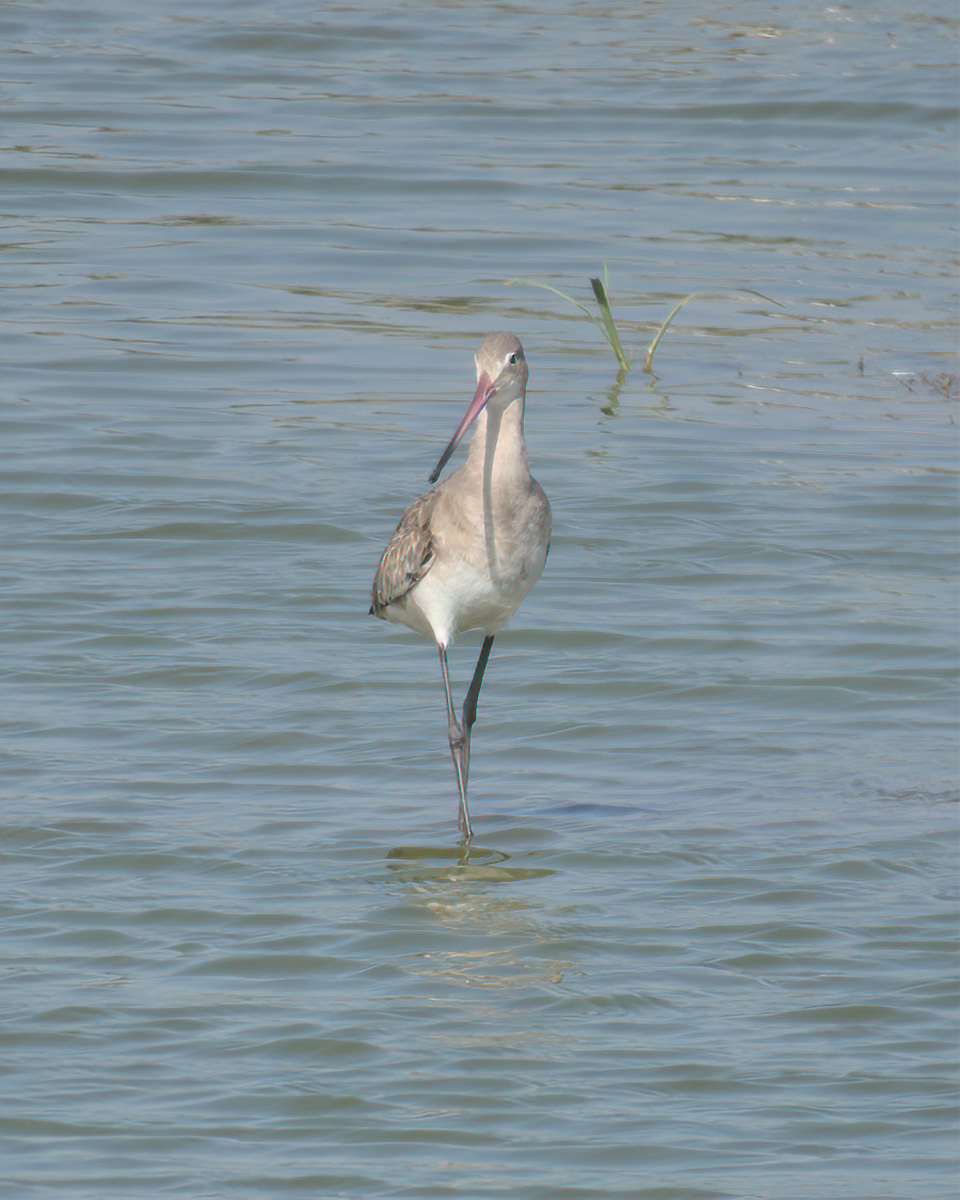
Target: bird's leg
x=459, y=735
x=457, y=740
x=470, y=709
x=473, y=693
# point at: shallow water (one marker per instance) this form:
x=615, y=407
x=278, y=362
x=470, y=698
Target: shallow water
x=705, y=942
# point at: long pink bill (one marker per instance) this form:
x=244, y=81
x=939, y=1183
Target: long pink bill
x=485, y=389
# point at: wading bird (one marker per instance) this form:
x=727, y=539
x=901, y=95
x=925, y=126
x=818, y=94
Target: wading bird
x=467, y=552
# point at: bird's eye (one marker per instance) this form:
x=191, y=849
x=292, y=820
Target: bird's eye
x=512, y=358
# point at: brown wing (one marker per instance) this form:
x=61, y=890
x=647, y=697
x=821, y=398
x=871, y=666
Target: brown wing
x=408, y=556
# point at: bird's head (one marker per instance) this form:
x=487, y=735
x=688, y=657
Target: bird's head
x=501, y=379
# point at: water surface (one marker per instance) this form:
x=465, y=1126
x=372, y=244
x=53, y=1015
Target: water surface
x=705, y=942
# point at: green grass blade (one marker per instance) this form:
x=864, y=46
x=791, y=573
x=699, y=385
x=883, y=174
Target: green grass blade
x=608, y=324
x=769, y=299
x=556, y=291
x=648, y=361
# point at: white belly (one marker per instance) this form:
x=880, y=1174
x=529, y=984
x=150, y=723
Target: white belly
x=481, y=566
x=458, y=594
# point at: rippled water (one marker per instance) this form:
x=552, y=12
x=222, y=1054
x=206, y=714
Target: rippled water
x=705, y=942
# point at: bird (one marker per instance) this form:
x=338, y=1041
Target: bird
x=466, y=553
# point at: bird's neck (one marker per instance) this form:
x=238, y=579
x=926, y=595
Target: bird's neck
x=498, y=463
x=498, y=451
